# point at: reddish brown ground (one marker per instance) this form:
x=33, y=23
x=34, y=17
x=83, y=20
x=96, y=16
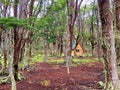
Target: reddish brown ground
x=46, y=76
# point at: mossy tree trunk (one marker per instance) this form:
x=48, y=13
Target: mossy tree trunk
x=117, y=9
x=18, y=34
x=108, y=46
x=117, y=6
x=10, y=59
x=28, y=41
x=4, y=49
x=5, y=8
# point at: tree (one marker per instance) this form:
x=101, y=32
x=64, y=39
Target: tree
x=4, y=14
x=98, y=35
x=92, y=31
x=18, y=34
x=117, y=15
x=7, y=40
x=26, y=47
x=117, y=5
x=72, y=12
x=108, y=46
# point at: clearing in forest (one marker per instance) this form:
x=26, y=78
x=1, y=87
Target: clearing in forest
x=51, y=76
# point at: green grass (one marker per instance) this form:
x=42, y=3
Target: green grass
x=57, y=61
x=37, y=58
x=40, y=58
x=85, y=60
x=75, y=60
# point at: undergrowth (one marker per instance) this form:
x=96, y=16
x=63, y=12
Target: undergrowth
x=40, y=58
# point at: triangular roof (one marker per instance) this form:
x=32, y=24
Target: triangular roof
x=73, y=45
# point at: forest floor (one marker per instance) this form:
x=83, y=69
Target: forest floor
x=50, y=76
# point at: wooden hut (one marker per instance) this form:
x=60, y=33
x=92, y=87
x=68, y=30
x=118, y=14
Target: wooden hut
x=77, y=50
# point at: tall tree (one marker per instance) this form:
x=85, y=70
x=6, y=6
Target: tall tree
x=18, y=33
x=7, y=41
x=15, y=58
x=99, y=50
x=117, y=14
x=92, y=31
x=27, y=38
x=5, y=5
x=108, y=46
x=117, y=5
x=72, y=6
x=72, y=12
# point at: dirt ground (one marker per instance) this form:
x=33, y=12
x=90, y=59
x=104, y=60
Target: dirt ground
x=45, y=76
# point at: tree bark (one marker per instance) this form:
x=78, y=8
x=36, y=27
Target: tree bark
x=17, y=44
x=117, y=9
x=4, y=37
x=67, y=51
x=10, y=60
x=117, y=2
x=18, y=35
x=16, y=55
x=99, y=36
x=26, y=47
x=108, y=43
x=5, y=49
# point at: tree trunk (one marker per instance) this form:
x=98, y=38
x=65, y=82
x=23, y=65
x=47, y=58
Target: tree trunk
x=45, y=50
x=10, y=60
x=15, y=55
x=17, y=44
x=27, y=48
x=30, y=32
x=92, y=38
x=0, y=34
x=71, y=18
x=99, y=48
x=5, y=49
x=68, y=57
x=117, y=7
x=117, y=2
x=18, y=34
x=5, y=6
x=61, y=44
x=74, y=5
x=108, y=44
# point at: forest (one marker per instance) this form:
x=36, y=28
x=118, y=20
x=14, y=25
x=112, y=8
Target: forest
x=59, y=44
